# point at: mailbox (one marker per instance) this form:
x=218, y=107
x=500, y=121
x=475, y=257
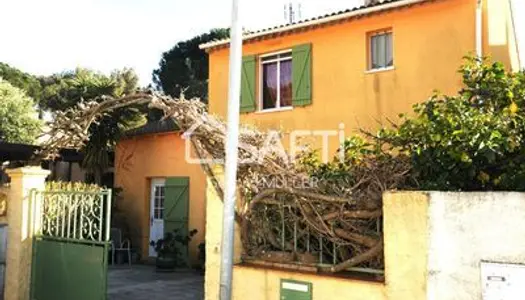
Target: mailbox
x=295, y=290
x=500, y=281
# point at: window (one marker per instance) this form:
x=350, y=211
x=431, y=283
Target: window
x=381, y=50
x=158, y=209
x=276, y=81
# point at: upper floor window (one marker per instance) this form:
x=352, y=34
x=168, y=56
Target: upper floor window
x=276, y=81
x=381, y=55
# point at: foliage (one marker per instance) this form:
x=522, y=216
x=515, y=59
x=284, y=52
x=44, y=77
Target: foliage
x=66, y=90
x=18, y=118
x=26, y=82
x=53, y=186
x=185, y=67
x=472, y=141
x=171, y=244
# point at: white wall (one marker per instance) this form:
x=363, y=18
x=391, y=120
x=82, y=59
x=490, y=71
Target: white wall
x=465, y=229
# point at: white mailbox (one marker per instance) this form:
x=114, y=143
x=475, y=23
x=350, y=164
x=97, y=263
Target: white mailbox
x=501, y=281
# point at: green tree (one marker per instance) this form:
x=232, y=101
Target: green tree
x=26, y=82
x=18, y=118
x=63, y=91
x=185, y=67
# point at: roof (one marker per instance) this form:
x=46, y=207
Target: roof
x=162, y=126
x=377, y=7
x=24, y=152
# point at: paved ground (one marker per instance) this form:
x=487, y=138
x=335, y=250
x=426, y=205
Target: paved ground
x=143, y=283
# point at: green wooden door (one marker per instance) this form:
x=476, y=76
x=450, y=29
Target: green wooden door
x=176, y=204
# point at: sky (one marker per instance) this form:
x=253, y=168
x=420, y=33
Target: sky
x=46, y=37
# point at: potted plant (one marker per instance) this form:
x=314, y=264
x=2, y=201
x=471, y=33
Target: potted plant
x=169, y=249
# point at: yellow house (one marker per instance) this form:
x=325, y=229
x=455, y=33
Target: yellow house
x=161, y=192
x=340, y=72
x=362, y=66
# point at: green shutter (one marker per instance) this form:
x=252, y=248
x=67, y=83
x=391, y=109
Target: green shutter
x=248, y=84
x=176, y=202
x=302, y=75
x=295, y=290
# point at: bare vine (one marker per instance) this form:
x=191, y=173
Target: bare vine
x=328, y=227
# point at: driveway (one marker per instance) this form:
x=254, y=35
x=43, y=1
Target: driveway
x=141, y=282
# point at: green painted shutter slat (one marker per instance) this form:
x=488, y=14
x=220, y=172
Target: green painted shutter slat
x=302, y=75
x=248, y=84
x=176, y=202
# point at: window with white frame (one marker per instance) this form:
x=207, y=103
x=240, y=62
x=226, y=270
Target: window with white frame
x=381, y=55
x=159, y=194
x=276, y=81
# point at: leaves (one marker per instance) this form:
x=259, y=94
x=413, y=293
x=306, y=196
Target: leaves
x=185, y=67
x=69, y=89
x=461, y=142
x=18, y=118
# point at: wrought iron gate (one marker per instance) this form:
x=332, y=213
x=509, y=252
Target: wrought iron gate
x=70, y=251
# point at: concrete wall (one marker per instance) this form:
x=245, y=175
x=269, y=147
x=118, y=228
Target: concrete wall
x=137, y=161
x=465, y=229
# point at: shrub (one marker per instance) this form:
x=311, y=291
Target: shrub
x=472, y=141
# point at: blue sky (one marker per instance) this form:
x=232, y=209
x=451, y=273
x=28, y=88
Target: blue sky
x=45, y=37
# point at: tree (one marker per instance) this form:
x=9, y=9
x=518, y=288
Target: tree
x=26, y=82
x=66, y=90
x=18, y=117
x=185, y=67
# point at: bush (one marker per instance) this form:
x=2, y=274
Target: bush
x=472, y=141
x=54, y=186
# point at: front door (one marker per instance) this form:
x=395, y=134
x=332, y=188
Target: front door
x=176, y=211
x=158, y=192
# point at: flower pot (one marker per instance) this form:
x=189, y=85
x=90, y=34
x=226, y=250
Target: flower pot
x=165, y=263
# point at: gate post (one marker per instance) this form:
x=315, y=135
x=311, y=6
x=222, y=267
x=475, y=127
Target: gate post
x=20, y=216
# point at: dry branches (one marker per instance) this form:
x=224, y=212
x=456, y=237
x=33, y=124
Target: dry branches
x=331, y=225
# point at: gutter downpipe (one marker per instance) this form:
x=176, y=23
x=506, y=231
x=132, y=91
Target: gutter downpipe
x=479, y=29
x=515, y=32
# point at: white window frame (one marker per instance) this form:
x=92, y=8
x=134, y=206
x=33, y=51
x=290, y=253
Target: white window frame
x=369, y=68
x=278, y=107
x=158, y=183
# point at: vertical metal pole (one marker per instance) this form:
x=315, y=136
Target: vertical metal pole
x=232, y=142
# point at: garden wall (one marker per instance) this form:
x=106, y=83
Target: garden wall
x=467, y=228
x=434, y=245
x=404, y=275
